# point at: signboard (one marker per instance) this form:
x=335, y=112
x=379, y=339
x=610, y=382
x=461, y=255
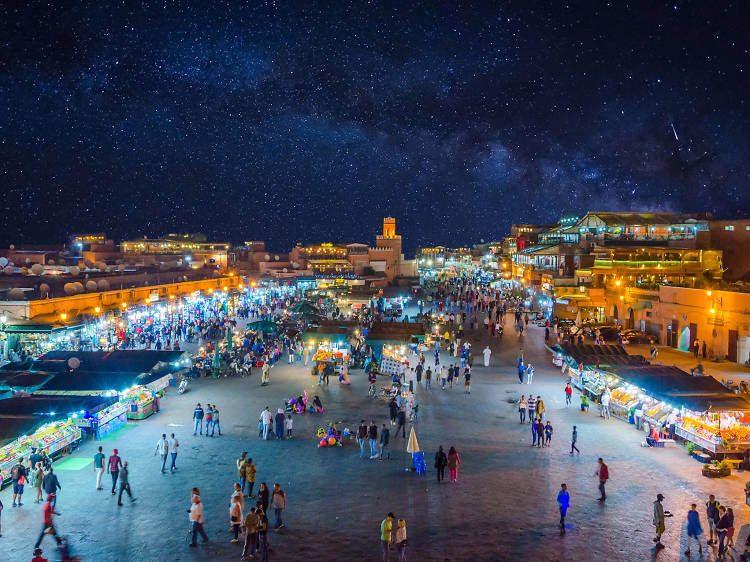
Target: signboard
x=154, y=297
x=713, y=321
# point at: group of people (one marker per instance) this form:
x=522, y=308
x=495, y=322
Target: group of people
x=211, y=415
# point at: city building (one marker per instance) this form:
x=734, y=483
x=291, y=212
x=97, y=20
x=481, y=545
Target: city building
x=191, y=248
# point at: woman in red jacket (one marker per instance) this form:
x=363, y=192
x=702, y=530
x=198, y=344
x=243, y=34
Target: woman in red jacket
x=453, y=462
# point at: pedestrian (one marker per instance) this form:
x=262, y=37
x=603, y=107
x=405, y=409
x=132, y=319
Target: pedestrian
x=574, y=440
x=712, y=515
x=603, y=473
x=522, y=408
x=531, y=406
x=18, y=474
x=605, y=403
x=125, y=484
x=235, y=517
x=113, y=467
x=237, y=493
x=265, y=420
x=400, y=540
x=198, y=419
x=386, y=533
x=278, y=500
x=263, y=495
x=428, y=378
x=659, y=515
x=215, y=422
x=722, y=528
x=584, y=402
x=251, y=534
x=51, y=485
x=288, y=424
x=401, y=423
x=453, y=462
x=563, y=502
x=1, y=518
x=568, y=394
x=39, y=478
x=209, y=418
x=250, y=471
x=373, y=434
x=547, y=433
x=444, y=376
x=173, y=445
x=263, y=535
x=385, y=436
x=730, y=530
x=241, y=469
x=38, y=556
x=393, y=410
x=98, y=470
x=487, y=352
x=197, y=521
x=529, y=373
x=521, y=370
x=441, y=461
x=48, y=525
x=362, y=438
x=541, y=408
x=162, y=447
x=279, y=421
x=694, y=529
x=467, y=380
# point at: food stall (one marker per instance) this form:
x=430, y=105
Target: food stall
x=104, y=421
x=394, y=359
x=723, y=427
x=140, y=402
x=328, y=343
x=10, y=453
x=53, y=437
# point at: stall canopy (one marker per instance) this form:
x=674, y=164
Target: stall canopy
x=23, y=381
x=264, y=326
x=597, y=355
x=99, y=372
x=329, y=333
x=52, y=407
x=680, y=389
x=29, y=328
x=306, y=307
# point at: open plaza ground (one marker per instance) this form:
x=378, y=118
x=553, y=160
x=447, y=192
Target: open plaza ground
x=501, y=508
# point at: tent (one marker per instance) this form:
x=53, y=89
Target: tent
x=264, y=326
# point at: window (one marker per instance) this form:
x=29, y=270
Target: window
x=747, y=227
x=729, y=227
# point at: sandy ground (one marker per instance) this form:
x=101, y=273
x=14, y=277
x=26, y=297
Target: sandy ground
x=502, y=507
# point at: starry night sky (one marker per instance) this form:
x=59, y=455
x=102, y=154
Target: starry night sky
x=288, y=124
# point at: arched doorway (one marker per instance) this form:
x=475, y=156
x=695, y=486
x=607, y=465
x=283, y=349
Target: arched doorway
x=684, y=341
x=631, y=319
x=615, y=313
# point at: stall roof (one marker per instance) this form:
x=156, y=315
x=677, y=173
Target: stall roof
x=11, y=428
x=334, y=334
x=93, y=383
x=23, y=380
x=62, y=406
x=414, y=328
x=395, y=292
x=39, y=328
x=602, y=355
x=135, y=361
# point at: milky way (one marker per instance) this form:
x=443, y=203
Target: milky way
x=298, y=122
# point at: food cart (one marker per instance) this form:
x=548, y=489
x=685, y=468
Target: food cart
x=54, y=437
x=140, y=402
x=10, y=453
x=104, y=421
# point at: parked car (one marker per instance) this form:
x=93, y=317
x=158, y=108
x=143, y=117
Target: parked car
x=636, y=336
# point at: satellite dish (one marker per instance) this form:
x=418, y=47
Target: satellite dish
x=285, y=270
x=9, y=270
x=12, y=246
x=103, y=285
x=37, y=269
x=74, y=362
x=3, y=262
x=268, y=257
x=69, y=288
x=276, y=258
x=91, y=286
x=74, y=270
x=15, y=294
x=44, y=289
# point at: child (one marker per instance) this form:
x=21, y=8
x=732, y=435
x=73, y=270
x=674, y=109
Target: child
x=288, y=424
x=584, y=403
x=547, y=433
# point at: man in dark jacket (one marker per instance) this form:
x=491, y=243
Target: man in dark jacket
x=401, y=423
x=51, y=484
x=440, y=462
x=198, y=417
x=373, y=434
x=393, y=407
x=385, y=437
x=280, y=418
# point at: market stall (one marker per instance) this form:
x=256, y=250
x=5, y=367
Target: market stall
x=140, y=402
x=104, y=421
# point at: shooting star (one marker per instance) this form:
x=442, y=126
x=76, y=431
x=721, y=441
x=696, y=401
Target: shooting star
x=674, y=131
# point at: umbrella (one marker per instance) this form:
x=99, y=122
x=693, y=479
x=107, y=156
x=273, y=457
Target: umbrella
x=412, y=446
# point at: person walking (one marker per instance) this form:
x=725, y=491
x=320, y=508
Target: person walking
x=694, y=529
x=730, y=531
x=278, y=500
x=38, y=480
x=386, y=534
x=215, y=422
x=279, y=420
x=659, y=515
x=467, y=380
x=162, y=447
x=453, y=462
x=602, y=472
x=113, y=467
x=563, y=502
x=241, y=468
x=401, y=423
x=573, y=441
x=547, y=434
x=540, y=432
x=531, y=406
x=605, y=404
x=443, y=376
x=541, y=408
x=263, y=535
x=263, y=496
x=18, y=474
x=125, y=484
x=48, y=525
x=712, y=515
x=529, y=373
x=722, y=528
x=522, y=405
x=441, y=461
x=265, y=420
x=400, y=540
x=198, y=419
x=487, y=352
x=288, y=425
x=373, y=434
x=428, y=378
x=385, y=437
x=51, y=485
x=98, y=468
x=209, y=418
x=173, y=444
x=235, y=517
x=250, y=471
x=196, y=521
x=362, y=438
x=251, y=534
x=568, y=394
